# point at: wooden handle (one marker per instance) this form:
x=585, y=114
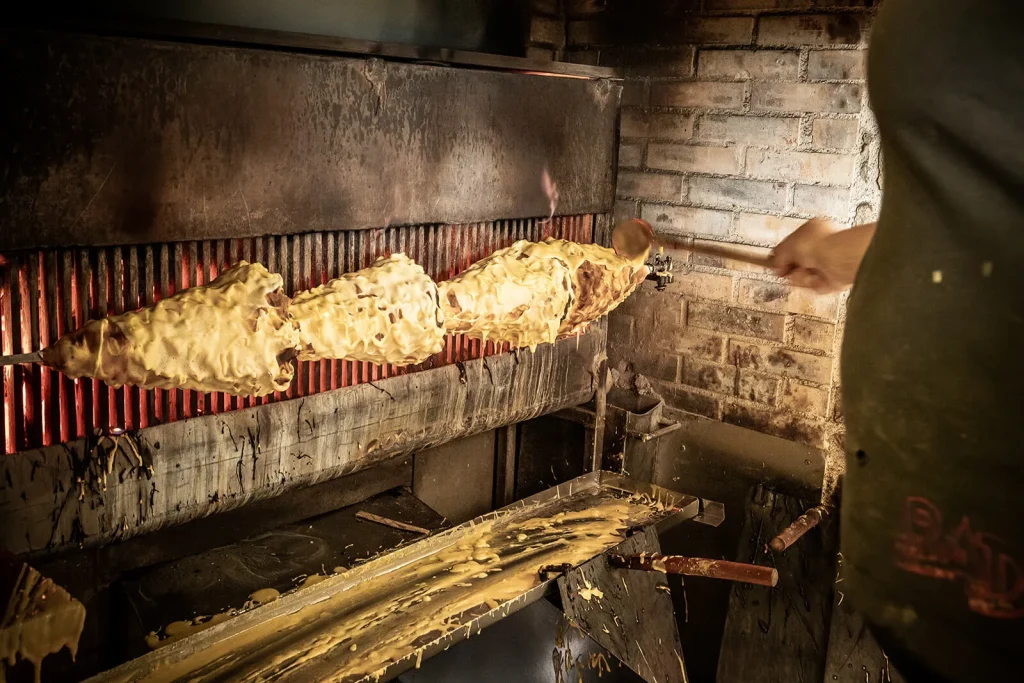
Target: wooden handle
x=756, y=256
x=692, y=566
x=795, y=531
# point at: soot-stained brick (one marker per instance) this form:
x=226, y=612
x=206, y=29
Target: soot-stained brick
x=736, y=320
x=781, y=425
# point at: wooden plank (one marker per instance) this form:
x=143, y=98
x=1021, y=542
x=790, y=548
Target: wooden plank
x=632, y=616
x=332, y=132
x=780, y=634
x=217, y=462
x=854, y=656
x=506, y=450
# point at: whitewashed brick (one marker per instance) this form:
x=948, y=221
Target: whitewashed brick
x=697, y=94
x=832, y=169
x=736, y=193
x=687, y=220
x=756, y=130
x=672, y=157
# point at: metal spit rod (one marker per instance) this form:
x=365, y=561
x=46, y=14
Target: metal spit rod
x=22, y=358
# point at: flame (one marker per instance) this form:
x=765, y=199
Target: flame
x=550, y=188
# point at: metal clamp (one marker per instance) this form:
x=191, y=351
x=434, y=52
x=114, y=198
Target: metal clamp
x=660, y=267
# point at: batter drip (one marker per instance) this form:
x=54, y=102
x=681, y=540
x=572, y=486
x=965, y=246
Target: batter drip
x=41, y=618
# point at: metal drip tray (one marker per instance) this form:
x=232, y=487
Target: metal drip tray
x=386, y=616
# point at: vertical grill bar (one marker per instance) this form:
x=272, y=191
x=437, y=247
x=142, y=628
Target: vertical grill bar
x=7, y=347
x=66, y=389
x=259, y=256
x=80, y=308
x=348, y=367
x=331, y=272
x=52, y=379
x=31, y=375
x=177, y=397
x=164, y=398
x=107, y=394
x=205, y=402
x=90, y=310
x=272, y=266
x=42, y=317
x=22, y=324
x=305, y=282
x=317, y=278
x=148, y=403
x=122, y=397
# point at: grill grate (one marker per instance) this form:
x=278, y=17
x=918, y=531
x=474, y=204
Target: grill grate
x=46, y=293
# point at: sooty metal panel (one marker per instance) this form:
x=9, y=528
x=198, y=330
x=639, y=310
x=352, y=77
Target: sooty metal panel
x=117, y=141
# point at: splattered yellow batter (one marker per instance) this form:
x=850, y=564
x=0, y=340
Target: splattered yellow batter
x=357, y=632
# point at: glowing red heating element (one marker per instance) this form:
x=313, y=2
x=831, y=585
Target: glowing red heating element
x=44, y=294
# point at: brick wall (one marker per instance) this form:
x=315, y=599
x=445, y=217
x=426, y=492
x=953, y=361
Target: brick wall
x=547, y=30
x=740, y=119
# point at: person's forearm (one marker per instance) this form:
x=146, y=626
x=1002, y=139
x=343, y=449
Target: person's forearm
x=845, y=251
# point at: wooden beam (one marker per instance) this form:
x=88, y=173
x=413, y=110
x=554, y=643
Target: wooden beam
x=208, y=464
x=780, y=634
x=506, y=450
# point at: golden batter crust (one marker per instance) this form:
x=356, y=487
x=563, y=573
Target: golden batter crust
x=387, y=313
x=514, y=295
x=533, y=292
x=232, y=335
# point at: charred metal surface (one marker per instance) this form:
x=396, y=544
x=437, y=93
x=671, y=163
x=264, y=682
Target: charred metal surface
x=457, y=478
x=120, y=141
x=314, y=38
x=490, y=25
x=539, y=640
x=631, y=615
x=73, y=494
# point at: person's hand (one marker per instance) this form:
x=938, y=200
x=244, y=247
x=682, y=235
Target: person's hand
x=822, y=255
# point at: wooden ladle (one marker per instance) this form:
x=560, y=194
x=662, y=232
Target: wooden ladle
x=633, y=238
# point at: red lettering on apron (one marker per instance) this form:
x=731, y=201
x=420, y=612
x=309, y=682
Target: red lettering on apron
x=993, y=578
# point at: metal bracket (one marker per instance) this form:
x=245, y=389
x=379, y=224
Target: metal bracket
x=709, y=512
x=665, y=428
